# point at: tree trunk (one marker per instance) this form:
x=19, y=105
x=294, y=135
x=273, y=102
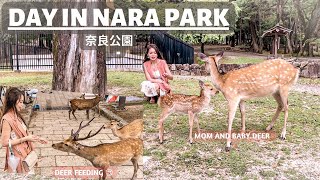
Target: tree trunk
x=289, y=46
x=254, y=37
x=202, y=47
x=76, y=69
x=310, y=28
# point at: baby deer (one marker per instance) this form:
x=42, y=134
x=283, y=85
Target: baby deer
x=103, y=155
x=272, y=77
x=84, y=104
x=187, y=104
x=131, y=130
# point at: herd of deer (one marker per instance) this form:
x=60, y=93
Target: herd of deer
x=272, y=77
x=102, y=156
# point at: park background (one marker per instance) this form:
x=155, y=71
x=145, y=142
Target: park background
x=297, y=23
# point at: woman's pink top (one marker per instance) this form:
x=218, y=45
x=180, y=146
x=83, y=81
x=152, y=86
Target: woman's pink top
x=11, y=124
x=161, y=67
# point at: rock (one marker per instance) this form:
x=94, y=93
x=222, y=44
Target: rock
x=303, y=64
x=173, y=67
x=179, y=66
x=196, y=72
x=185, y=73
x=194, y=66
x=176, y=72
x=186, y=67
x=313, y=70
x=296, y=64
x=203, y=67
x=204, y=73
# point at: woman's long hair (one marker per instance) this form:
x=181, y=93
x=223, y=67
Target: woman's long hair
x=146, y=57
x=13, y=94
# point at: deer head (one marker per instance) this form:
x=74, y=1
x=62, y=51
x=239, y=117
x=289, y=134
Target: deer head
x=207, y=88
x=71, y=144
x=112, y=124
x=211, y=61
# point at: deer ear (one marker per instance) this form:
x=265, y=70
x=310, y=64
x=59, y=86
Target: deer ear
x=219, y=56
x=201, y=83
x=203, y=57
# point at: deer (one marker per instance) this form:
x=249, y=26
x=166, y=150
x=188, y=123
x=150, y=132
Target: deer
x=132, y=130
x=84, y=104
x=186, y=104
x=103, y=155
x=272, y=77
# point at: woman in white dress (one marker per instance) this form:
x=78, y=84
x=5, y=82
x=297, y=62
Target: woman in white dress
x=157, y=74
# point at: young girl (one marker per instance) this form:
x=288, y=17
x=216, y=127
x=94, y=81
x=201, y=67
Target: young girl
x=14, y=128
x=157, y=74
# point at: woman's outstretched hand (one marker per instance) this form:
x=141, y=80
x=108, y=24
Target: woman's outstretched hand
x=43, y=141
x=34, y=138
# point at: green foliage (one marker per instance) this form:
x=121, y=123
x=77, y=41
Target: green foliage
x=201, y=38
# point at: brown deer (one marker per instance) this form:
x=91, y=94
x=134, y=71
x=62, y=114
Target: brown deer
x=84, y=104
x=274, y=77
x=103, y=155
x=187, y=104
x=131, y=130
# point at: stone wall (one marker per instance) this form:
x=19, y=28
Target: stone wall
x=308, y=68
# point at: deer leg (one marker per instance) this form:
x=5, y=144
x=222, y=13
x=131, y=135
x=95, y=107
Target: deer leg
x=243, y=113
x=164, y=114
x=98, y=109
x=284, y=98
x=135, y=166
x=232, y=107
x=70, y=112
x=191, y=118
x=73, y=114
x=197, y=120
x=277, y=97
x=104, y=175
x=87, y=112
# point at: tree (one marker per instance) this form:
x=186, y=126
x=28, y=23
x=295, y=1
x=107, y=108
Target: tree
x=310, y=22
x=76, y=68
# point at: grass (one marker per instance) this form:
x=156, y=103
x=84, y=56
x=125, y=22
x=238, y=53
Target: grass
x=309, y=81
x=129, y=82
x=302, y=130
x=241, y=60
x=26, y=79
x=248, y=160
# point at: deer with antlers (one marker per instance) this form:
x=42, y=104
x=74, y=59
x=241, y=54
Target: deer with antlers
x=103, y=155
x=187, y=104
x=84, y=104
x=273, y=77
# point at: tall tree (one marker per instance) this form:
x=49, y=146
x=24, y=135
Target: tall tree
x=76, y=68
x=310, y=22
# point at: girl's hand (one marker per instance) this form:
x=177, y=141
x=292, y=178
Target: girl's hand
x=32, y=138
x=165, y=75
x=43, y=141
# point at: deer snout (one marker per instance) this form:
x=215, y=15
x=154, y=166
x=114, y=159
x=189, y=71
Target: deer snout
x=54, y=146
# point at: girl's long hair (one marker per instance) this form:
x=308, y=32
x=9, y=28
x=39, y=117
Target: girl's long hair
x=146, y=57
x=13, y=94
